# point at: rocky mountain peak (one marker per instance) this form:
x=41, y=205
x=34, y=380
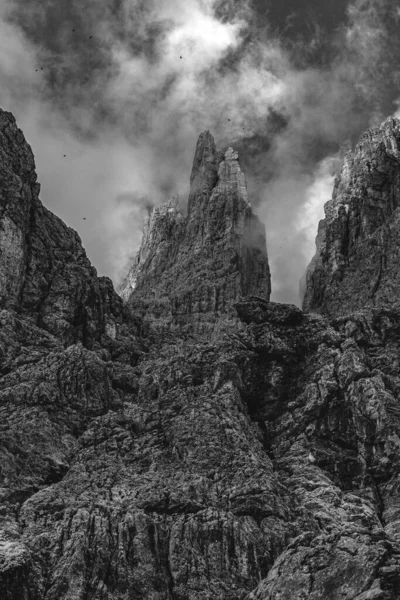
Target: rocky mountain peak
x=204, y=173
x=230, y=177
x=194, y=268
x=161, y=228
x=356, y=263
x=257, y=463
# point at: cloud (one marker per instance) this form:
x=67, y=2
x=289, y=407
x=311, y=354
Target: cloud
x=312, y=210
x=121, y=104
x=17, y=63
x=116, y=97
x=328, y=109
x=292, y=207
x=102, y=168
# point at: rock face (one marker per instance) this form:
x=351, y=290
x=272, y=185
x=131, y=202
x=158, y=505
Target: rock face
x=44, y=271
x=149, y=461
x=357, y=259
x=191, y=270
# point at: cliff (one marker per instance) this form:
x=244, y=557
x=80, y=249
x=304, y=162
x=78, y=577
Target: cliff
x=191, y=270
x=356, y=264
x=223, y=448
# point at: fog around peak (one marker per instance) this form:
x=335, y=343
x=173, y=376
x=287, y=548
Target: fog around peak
x=112, y=98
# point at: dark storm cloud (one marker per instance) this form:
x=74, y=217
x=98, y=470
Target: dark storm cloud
x=290, y=84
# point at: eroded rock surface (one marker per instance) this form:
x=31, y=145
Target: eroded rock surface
x=152, y=460
x=44, y=271
x=191, y=270
x=358, y=253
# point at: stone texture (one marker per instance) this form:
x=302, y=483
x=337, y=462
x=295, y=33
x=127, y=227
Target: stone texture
x=190, y=270
x=357, y=258
x=44, y=271
x=150, y=461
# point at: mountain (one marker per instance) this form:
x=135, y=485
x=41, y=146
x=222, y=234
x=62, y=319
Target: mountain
x=193, y=440
x=191, y=270
x=356, y=264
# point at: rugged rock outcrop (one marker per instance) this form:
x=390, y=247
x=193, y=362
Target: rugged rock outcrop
x=357, y=259
x=44, y=271
x=260, y=462
x=191, y=270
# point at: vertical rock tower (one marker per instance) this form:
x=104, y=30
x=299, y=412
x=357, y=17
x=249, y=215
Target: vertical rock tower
x=191, y=270
x=357, y=260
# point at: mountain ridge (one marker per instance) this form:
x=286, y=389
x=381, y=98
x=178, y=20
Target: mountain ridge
x=245, y=450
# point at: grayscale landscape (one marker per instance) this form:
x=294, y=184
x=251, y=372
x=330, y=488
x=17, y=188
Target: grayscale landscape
x=206, y=405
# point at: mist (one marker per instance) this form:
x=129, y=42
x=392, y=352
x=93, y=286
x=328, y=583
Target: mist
x=124, y=89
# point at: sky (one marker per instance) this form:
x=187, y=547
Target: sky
x=113, y=94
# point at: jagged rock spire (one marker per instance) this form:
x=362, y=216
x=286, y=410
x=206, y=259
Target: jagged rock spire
x=230, y=177
x=194, y=268
x=357, y=260
x=204, y=173
x=162, y=229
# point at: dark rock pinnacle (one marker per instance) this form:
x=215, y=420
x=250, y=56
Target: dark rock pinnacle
x=191, y=270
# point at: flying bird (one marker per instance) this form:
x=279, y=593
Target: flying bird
x=64, y=155
x=228, y=119
x=84, y=218
x=180, y=57
x=90, y=37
